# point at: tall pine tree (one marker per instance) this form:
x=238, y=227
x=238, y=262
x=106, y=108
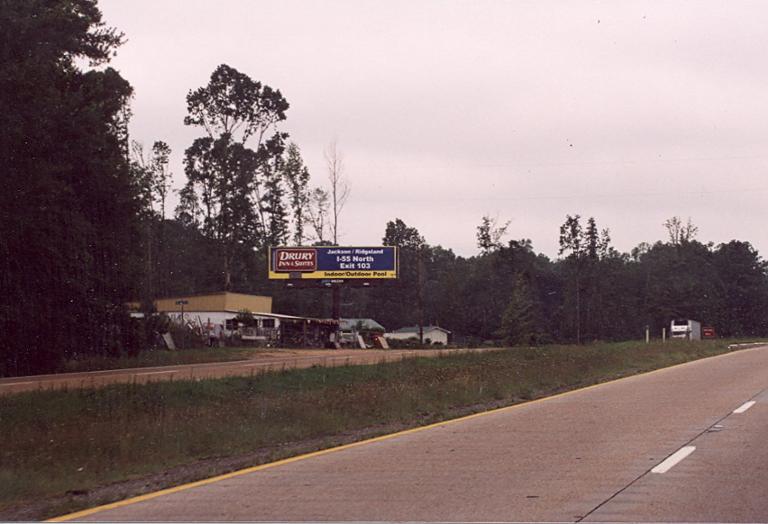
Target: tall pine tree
x=68, y=209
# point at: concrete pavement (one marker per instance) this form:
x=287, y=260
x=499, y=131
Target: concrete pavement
x=584, y=455
x=724, y=479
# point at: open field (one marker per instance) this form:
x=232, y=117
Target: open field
x=63, y=448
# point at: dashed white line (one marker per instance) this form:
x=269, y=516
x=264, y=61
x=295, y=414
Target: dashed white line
x=744, y=407
x=156, y=373
x=17, y=383
x=673, y=459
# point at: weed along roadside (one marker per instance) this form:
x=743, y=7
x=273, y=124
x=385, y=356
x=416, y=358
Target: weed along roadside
x=78, y=448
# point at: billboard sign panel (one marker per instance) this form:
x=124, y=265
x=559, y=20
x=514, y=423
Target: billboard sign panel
x=289, y=260
x=333, y=262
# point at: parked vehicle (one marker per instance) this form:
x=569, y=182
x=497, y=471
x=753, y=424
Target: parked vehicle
x=686, y=329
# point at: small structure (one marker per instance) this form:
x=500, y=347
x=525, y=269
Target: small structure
x=686, y=329
x=360, y=325
x=356, y=330
x=210, y=313
x=248, y=316
x=305, y=332
x=216, y=308
x=432, y=334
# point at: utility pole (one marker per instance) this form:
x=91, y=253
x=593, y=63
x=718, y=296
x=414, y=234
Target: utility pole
x=183, y=332
x=420, y=280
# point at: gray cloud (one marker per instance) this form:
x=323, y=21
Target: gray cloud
x=628, y=111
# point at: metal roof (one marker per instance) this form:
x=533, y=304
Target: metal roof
x=415, y=329
x=347, y=324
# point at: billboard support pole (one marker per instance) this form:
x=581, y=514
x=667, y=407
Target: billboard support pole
x=336, y=312
x=336, y=309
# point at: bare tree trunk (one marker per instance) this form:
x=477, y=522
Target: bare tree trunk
x=318, y=212
x=227, y=269
x=339, y=188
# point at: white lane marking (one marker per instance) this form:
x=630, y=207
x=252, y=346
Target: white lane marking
x=17, y=383
x=155, y=373
x=744, y=407
x=673, y=459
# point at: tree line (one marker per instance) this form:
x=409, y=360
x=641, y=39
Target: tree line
x=85, y=225
x=510, y=294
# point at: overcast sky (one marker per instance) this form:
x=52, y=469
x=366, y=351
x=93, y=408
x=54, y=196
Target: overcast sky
x=630, y=112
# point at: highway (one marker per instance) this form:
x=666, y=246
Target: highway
x=275, y=360
x=685, y=443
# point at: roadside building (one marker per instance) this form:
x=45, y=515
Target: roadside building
x=350, y=328
x=432, y=334
x=215, y=308
x=223, y=314
x=348, y=325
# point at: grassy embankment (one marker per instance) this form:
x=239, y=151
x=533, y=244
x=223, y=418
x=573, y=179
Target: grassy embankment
x=161, y=357
x=60, y=447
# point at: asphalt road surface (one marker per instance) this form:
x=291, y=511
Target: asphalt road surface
x=260, y=362
x=681, y=444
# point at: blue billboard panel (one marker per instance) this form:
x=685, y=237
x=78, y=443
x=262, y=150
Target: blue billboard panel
x=333, y=262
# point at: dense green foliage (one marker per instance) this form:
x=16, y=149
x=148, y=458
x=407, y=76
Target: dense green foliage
x=69, y=207
x=235, y=191
x=510, y=293
x=83, y=209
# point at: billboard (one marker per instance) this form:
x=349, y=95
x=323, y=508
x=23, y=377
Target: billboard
x=333, y=262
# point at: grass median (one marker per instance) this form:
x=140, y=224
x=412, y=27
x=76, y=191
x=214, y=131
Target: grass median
x=160, y=357
x=62, y=450
x=151, y=358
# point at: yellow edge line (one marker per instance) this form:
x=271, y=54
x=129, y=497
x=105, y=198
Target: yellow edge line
x=253, y=469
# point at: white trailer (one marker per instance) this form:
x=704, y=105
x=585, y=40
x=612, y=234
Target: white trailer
x=685, y=329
